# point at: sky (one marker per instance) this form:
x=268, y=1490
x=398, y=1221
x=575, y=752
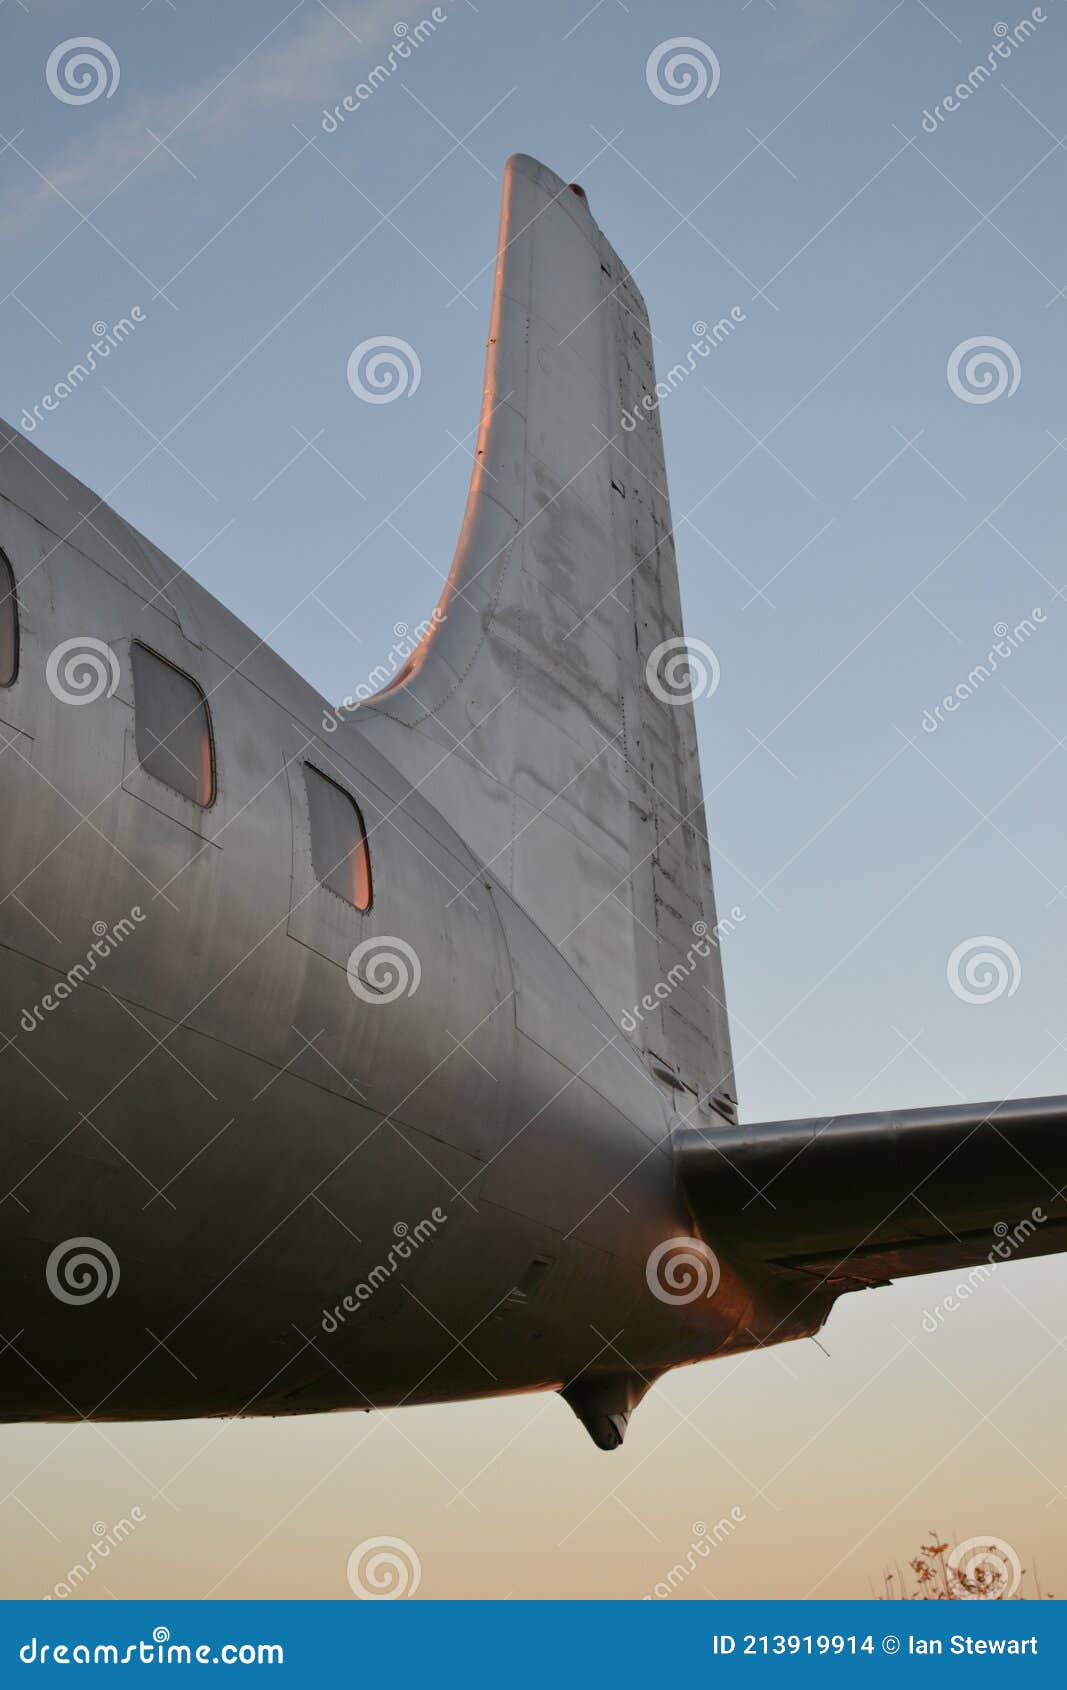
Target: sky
x=860, y=509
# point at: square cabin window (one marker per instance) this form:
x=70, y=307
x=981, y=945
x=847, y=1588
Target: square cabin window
x=173, y=727
x=339, y=853
x=9, y=625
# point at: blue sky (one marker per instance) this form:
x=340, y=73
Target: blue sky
x=850, y=531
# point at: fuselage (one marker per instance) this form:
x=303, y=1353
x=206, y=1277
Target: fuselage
x=317, y=1197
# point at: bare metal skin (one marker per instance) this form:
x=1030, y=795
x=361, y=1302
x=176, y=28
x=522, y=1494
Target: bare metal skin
x=314, y=1200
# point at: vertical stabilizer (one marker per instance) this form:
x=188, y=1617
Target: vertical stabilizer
x=573, y=778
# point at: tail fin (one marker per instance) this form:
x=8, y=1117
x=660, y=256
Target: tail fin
x=572, y=777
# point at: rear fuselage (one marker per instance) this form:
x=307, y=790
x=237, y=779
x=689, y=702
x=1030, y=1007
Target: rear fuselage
x=314, y=1196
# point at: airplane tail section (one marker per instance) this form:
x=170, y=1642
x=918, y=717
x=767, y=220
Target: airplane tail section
x=548, y=713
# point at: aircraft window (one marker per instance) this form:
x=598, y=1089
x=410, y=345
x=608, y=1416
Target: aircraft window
x=339, y=852
x=9, y=625
x=173, y=727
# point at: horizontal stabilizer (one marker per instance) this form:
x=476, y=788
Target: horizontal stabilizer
x=861, y=1199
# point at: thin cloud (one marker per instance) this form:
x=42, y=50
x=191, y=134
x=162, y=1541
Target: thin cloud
x=312, y=59
x=812, y=22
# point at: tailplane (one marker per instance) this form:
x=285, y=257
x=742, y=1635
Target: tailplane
x=851, y=1201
